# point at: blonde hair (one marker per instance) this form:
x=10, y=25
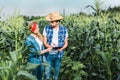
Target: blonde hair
x=39, y=35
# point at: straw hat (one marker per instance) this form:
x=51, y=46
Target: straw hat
x=54, y=16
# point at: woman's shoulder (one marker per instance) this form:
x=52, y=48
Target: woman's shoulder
x=29, y=38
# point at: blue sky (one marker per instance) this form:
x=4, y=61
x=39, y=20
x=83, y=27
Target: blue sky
x=43, y=7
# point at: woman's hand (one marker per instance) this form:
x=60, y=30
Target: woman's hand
x=42, y=52
x=49, y=49
x=46, y=50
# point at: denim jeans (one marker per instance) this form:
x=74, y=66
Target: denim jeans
x=38, y=72
x=54, y=68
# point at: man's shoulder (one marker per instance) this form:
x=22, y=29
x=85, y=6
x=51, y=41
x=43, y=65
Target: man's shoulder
x=63, y=27
x=48, y=26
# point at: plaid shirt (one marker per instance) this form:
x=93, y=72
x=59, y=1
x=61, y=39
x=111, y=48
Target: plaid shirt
x=61, y=36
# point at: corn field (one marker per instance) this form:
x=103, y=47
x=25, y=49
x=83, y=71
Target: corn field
x=93, y=52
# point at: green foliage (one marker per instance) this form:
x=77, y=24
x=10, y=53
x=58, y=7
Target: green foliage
x=96, y=7
x=94, y=41
x=12, y=69
x=12, y=50
x=92, y=54
x=72, y=70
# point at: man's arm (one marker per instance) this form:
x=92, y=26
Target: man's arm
x=65, y=45
x=45, y=39
x=45, y=42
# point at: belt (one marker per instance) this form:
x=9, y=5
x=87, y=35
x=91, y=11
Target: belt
x=55, y=48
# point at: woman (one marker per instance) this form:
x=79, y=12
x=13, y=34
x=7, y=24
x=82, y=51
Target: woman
x=34, y=43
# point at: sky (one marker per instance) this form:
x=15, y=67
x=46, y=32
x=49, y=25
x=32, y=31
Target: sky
x=43, y=7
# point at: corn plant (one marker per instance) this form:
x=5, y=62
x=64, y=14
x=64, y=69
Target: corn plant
x=12, y=50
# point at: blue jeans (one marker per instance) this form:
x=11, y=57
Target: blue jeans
x=54, y=68
x=38, y=72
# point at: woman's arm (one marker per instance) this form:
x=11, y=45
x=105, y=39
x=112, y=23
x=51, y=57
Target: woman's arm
x=46, y=50
x=30, y=46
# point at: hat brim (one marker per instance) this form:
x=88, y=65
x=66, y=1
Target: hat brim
x=53, y=19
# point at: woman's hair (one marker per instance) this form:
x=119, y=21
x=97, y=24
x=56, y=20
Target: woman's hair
x=32, y=26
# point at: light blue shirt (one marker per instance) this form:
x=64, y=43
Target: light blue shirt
x=34, y=50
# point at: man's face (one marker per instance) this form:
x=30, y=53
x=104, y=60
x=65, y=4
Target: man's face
x=54, y=23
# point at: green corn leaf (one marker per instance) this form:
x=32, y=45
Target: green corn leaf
x=26, y=74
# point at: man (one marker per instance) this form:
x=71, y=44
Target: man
x=56, y=38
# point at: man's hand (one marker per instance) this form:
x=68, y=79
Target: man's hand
x=59, y=50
